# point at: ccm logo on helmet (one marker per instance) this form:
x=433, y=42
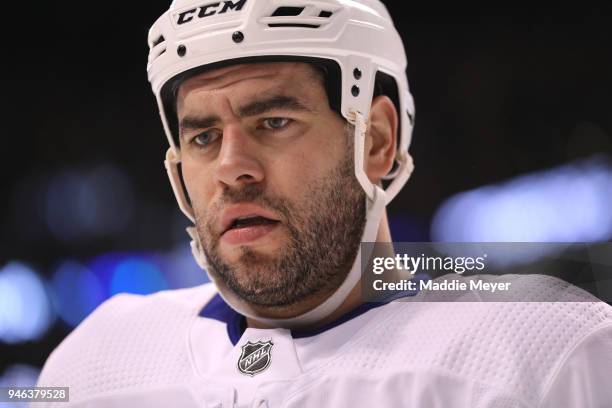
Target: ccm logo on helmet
x=210, y=10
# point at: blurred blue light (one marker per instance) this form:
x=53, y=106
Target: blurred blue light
x=107, y=206
x=60, y=208
x=77, y=290
x=103, y=266
x=566, y=204
x=137, y=275
x=128, y=272
x=18, y=375
x=25, y=312
x=181, y=270
x=79, y=205
x=172, y=270
x=406, y=228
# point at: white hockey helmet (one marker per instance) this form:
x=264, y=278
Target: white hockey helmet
x=354, y=41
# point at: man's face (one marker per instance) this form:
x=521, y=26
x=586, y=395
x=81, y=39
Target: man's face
x=261, y=140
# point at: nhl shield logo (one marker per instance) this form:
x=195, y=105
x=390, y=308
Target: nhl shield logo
x=255, y=357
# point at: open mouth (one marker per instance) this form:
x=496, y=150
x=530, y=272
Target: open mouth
x=250, y=221
x=245, y=223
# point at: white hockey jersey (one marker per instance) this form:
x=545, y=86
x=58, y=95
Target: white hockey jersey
x=187, y=348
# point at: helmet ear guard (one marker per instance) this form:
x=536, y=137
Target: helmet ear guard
x=172, y=163
x=353, y=41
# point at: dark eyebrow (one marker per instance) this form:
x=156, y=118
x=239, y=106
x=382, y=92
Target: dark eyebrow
x=273, y=102
x=196, y=122
x=257, y=107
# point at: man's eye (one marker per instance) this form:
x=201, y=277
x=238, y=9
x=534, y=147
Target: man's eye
x=206, y=138
x=276, y=123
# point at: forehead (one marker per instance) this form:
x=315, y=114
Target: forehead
x=282, y=75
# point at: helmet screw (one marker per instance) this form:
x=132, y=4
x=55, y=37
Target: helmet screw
x=355, y=90
x=181, y=50
x=357, y=73
x=237, y=36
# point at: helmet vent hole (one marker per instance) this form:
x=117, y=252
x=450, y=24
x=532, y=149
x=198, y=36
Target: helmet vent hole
x=294, y=25
x=159, y=40
x=308, y=16
x=157, y=48
x=410, y=117
x=287, y=11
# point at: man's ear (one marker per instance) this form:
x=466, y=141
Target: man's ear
x=381, y=138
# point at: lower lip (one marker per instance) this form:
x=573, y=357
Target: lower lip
x=240, y=236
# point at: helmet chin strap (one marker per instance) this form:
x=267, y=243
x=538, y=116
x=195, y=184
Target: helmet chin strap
x=376, y=201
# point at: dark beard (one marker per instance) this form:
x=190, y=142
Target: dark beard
x=324, y=238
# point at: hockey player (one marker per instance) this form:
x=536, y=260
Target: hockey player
x=284, y=117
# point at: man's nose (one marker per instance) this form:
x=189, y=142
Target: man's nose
x=238, y=162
